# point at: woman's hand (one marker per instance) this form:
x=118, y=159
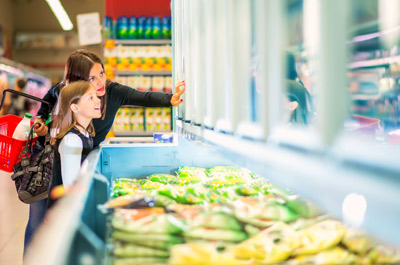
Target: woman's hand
x=176, y=97
x=41, y=130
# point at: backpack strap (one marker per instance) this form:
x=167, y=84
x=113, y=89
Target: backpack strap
x=26, y=151
x=17, y=175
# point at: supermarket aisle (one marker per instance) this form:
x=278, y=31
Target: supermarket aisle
x=13, y=219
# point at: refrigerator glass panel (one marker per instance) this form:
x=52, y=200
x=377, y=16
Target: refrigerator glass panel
x=374, y=72
x=299, y=93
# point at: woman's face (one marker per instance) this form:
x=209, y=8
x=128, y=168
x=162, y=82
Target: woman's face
x=97, y=78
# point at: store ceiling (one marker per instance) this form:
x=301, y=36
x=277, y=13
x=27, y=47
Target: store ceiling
x=35, y=15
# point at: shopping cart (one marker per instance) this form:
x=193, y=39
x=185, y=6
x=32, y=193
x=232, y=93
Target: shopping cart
x=10, y=148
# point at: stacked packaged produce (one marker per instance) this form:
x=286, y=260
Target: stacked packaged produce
x=227, y=215
x=145, y=235
x=137, y=58
x=158, y=119
x=146, y=83
x=139, y=120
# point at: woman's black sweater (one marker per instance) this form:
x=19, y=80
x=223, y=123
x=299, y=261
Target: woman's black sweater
x=117, y=96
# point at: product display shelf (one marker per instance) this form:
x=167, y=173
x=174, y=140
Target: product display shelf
x=130, y=133
x=139, y=73
x=125, y=127
x=142, y=42
x=128, y=140
x=379, y=62
x=15, y=68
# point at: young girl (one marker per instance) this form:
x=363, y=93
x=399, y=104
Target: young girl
x=73, y=129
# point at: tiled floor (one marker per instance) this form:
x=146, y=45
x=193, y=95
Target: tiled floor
x=13, y=219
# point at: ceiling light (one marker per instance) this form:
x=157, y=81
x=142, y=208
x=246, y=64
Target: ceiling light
x=60, y=14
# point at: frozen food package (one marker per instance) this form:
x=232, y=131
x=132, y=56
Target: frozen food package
x=357, y=241
x=262, y=213
x=185, y=171
x=231, y=172
x=320, y=236
x=270, y=246
x=146, y=221
x=127, y=250
x=162, y=178
x=382, y=254
x=200, y=254
x=335, y=255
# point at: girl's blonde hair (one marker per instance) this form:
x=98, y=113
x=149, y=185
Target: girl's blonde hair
x=64, y=120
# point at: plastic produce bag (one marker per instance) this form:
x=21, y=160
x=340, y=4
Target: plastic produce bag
x=334, y=255
x=262, y=212
x=270, y=246
x=357, y=241
x=144, y=221
x=230, y=172
x=162, y=178
x=184, y=172
x=200, y=254
x=125, y=250
x=159, y=241
x=319, y=237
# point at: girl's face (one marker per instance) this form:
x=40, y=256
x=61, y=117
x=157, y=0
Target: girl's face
x=97, y=78
x=89, y=104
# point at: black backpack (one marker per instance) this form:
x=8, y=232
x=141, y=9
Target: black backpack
x=32, y=175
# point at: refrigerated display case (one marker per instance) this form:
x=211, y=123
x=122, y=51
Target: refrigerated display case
x=352, y=179
x=77, y=231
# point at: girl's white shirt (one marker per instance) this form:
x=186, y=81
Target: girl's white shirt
x=70, y=150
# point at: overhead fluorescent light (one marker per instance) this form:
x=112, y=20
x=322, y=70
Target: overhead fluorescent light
x=60, y=14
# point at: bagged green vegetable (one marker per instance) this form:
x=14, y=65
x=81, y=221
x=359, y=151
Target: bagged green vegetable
x=144, y=221
x=160, y=241
x=139, y=261
x=215, y=234
x=216, y=220
x=126, y=250
x=162, y=178
x=184, y=172
x=262, y=213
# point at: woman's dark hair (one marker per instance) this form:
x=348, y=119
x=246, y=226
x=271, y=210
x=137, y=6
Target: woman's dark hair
x=78, y=67
x=296, y=92
x=291, y=72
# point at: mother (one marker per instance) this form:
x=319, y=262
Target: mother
x=86, y=65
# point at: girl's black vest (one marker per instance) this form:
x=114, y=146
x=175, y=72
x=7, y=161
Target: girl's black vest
x=56, y=178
